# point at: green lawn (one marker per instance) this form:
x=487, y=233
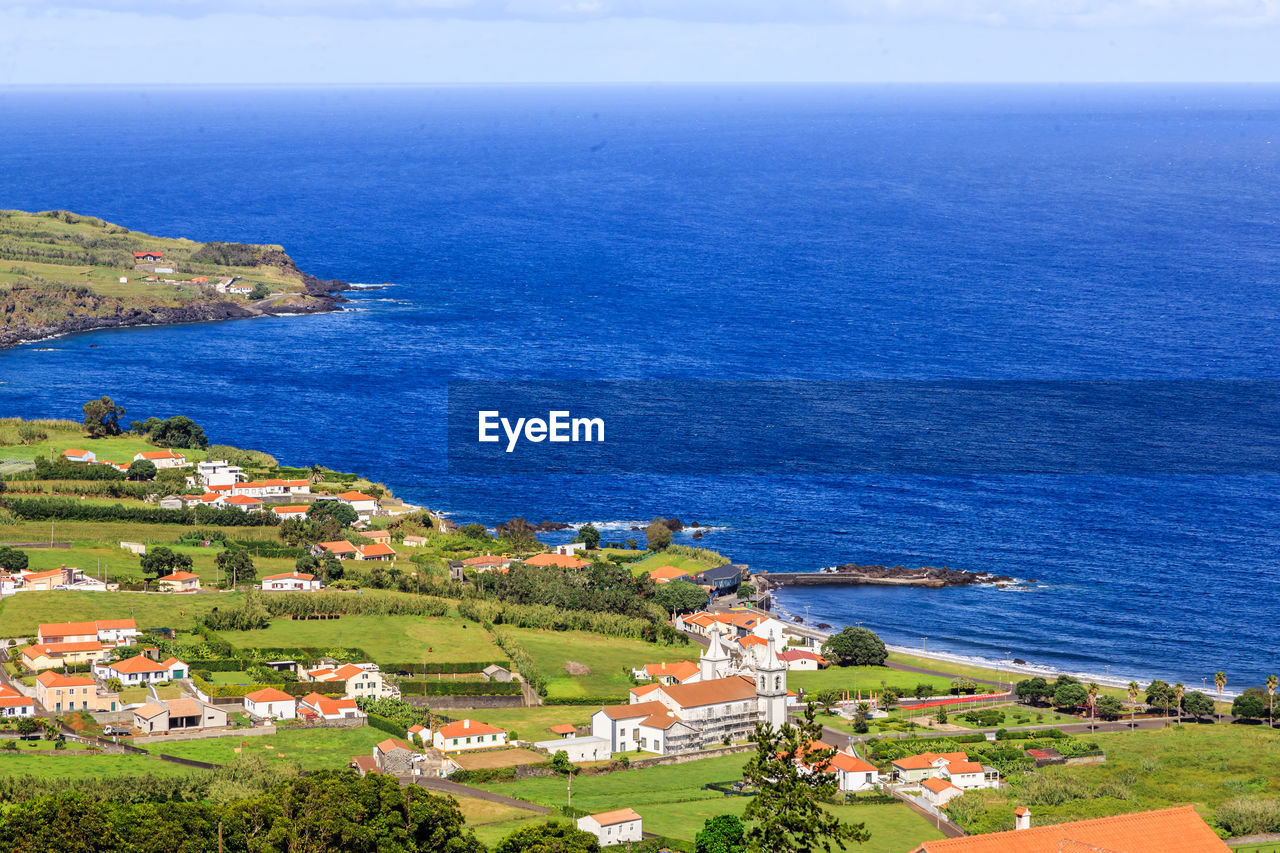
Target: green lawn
x=53, y=765
x=864, y=678
x=531, y=723
x=387, y=639
x=21, y=614
x=605, y=657
x=311, y=749
x=1202, y=765
x=657, y=561
x=117, y=448
x=672, y=802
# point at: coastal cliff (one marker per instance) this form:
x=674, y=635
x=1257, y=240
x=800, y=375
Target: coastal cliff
x=61, y=273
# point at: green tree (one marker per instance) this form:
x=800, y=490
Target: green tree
x=1272, y=683
x=1197, y=704
x=1134, y=692
x=141, y=470
x=1033, y=690
x=1220, y=682
x=827, y=699
x=102, y=417
x=13, y=560
x=26, y=725
x=561, y=764
x=1070, y=695
x=1250, y=705
x=520, y=534
x=236, y=566
x=657, y=535
x=179, y=431
x=1178, y=692
x=1160, y=695
x=550, y=837
x=1092, y=693
x=855, y=647
x=315, y=474
x=1109, y=707
x=337, y=511
x=260, y=291
x=679, y=596
x=161, y=561
x=475, y=531
x=787, y=814
x=588, y=535
x=721, y=834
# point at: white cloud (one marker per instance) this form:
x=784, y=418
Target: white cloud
x=1033, y=14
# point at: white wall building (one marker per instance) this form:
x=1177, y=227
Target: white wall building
x=617, y=827
x=290, y=582
x=579, y=749
x=270, y=703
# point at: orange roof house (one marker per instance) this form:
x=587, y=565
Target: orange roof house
x=680, y=671
x=666, y=574
x=560, y=561
x=1175, y=830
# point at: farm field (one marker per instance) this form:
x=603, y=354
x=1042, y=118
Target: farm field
x=53, y=765
x=21, y=614
x=1203, y=765
x=658, y=560
x=310, y=749
x=864, y=678
x=479, y=812
x=608, y=660
x=530, y=723
x=485, y=759
x=387, y=639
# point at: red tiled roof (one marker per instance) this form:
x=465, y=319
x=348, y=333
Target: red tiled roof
x=289, y=510
x=732, y=689
x=61, y=648
x=161, y=454
x=356, y=496
x=851, y=763
x=1175, y=830
x=148, y=254
x=268, y=694
x=338, y=546
x=926, y=759
x=561, y=561
x=377, y=549
x=393, y=743
x=49, y=678
x=679, y=670
x=937, y=785
x=487, y=560
x=458, y=729
x=563, y=729
x=615, y=817
x=302, y=576
x=633, y=711
x=137, y=664
x=178, y=576
x=243, y=500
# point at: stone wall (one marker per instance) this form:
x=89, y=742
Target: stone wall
x=206, y=733
x=465, y=703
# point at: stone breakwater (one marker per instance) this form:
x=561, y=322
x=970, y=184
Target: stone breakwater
x=851, y=574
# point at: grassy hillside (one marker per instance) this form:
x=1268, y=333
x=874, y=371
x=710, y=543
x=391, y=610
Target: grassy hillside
x=60, y=271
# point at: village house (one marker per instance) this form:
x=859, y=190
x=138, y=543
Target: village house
x=271, y=488
x=560, y=561
x=362, y=680
x=270, y=704
x=147, y=257
x=564, y=730
x=800, y=659
x=243, y=502
x=73, y=454
x=495, y=672
x=395, y=757
x=58, y=693
x=617, y=827
x=8, y=583
x=290, y=582
x=315, y=706
x=569, y=548
x=418, y=733
x=721, y=580
x=218, y=472
x=110, y=632
x=954, y=767
x=375, y=551
x=578, y=749
x=679, y=672
x=381, y=536
x=851, y=772
x=467, y=734
x=365, y=506
x=340, y=548
x=414, y=541
x=1173, y=830
x=63, y=578
x=666, y=574
x=485, y=563
x=163, y=458
x=14, y=704
x=178, y=715
x=142, y=670
x=938, y=792
x=57, y=655
x=179, y=582
x=290, y=511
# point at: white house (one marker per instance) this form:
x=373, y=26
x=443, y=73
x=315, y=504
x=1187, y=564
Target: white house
x=851, y=772
x=271, y=488
x=270, y=703
x=939, y=792
x=141, y=670
x=569, y=548
x=109, y=632
x=290, y=582
x=8, y=583
x=579, y=749
x=362, y=680
x=467, y=734
x=163, y=458
x=219, y=472
x=326, y=708
x=364, y=505
x=800, y=659
x=953, y=767
x=243, y=502
x=616, y=827
x=72, y=454
x=14, y=704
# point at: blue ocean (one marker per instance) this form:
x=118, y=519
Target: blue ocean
x=729, y=233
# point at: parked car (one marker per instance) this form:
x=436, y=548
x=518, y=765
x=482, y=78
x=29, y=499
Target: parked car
x=113, y=731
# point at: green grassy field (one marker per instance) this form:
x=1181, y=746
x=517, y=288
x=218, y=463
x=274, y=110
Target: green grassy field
x=390, y=639
x=310, y=749
x=21, y=614
x=1202, y=765
x=605, y=657
x=113, y=448
x=863, y=678
x=531, y=723
x=658, y=560
x=672, y=802
x=54, y=765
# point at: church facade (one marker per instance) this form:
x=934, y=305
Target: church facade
x=725, y=703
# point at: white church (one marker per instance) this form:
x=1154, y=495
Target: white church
x=726, y=701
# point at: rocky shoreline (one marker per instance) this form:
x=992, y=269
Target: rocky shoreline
x=851, y=574
x=320, y=297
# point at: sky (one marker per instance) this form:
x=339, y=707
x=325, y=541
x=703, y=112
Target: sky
x=362, y=42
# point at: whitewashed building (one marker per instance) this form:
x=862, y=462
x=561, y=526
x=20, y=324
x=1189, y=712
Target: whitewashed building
x=617, y=827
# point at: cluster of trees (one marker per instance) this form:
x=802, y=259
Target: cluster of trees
x=250, y=615
x=161, y=561
x=1066, y=693
x=102, y=417
x=603, y=588
x=679, y=596
x=12, y=560
x=179, y=431
x=322, y=811
x=38, y=509
x=1257, y=703
x=855, y=647
x=61, y=469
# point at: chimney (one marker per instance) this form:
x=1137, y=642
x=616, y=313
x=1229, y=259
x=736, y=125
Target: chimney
x=1021, y=818
x=466, y=724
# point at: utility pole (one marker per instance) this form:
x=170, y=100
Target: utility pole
x=924, y=648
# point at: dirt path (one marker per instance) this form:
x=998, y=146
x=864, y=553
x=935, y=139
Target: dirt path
x=444, y=786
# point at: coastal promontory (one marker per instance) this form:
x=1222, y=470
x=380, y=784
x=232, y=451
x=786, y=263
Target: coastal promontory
x=61, y=272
